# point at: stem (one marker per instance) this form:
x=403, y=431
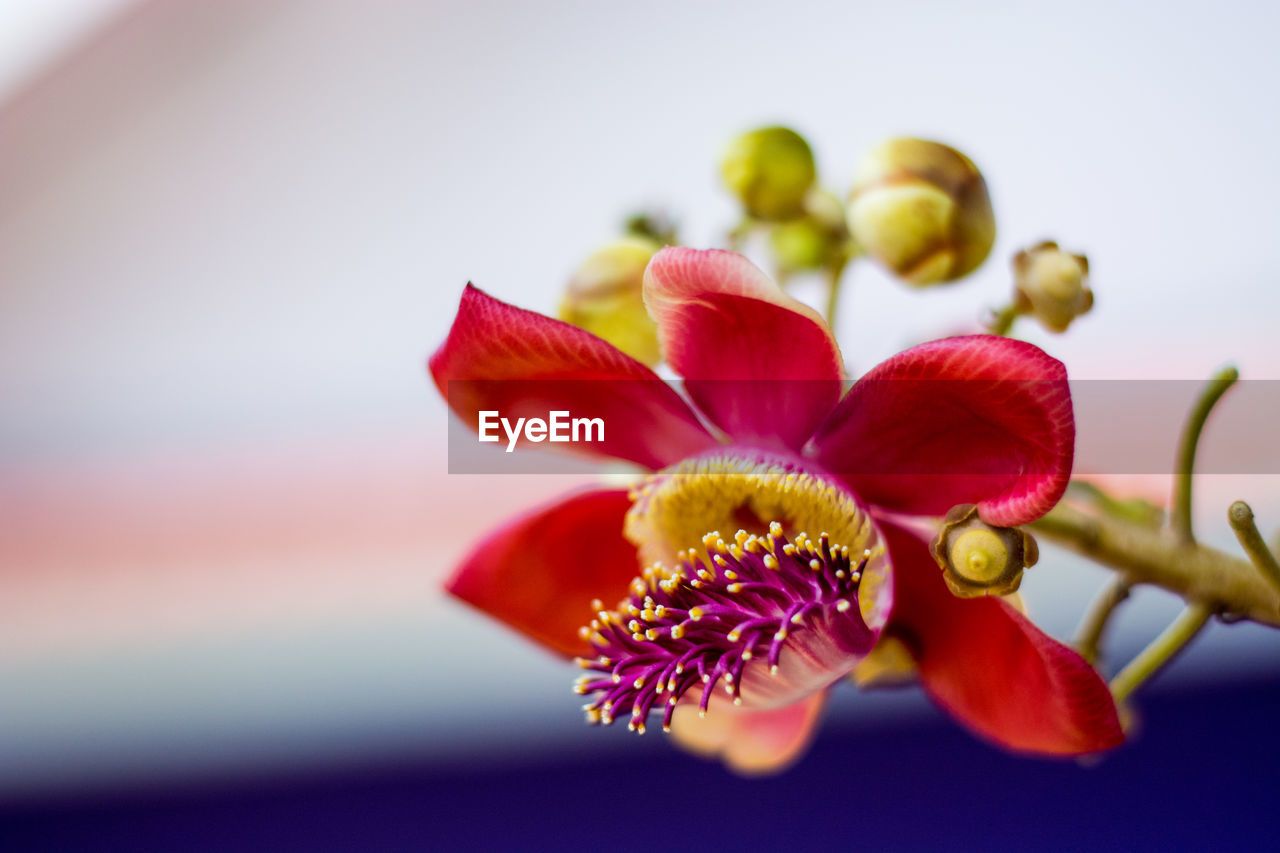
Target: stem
x=1162, y=650
x=1195, y=572
x=1240, y=515
x=1002, y=320
x=1212, y=393
x=835, y=273
x=1089, y=635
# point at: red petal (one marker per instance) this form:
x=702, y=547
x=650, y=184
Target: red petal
x=750, y=742
x=980, y=419
x=539, y=572
x=993, y=670
x=762, y=366
x=502, y=358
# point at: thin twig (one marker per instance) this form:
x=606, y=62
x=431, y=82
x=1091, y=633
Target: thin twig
x=1002, y=320
x=1089, y=635
x=1240, y=515
x=1212, y=393
x=1162, y=650
x=835, y=274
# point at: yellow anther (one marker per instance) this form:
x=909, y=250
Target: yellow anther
x=775, y=529
x=696, y=613
x=815, y=564
x=843, y=605
x=652, y=634
x=677, y=632
x=770, y=562
x=597, y=604
x=734, y=587
x=733, y=636
x=638, y=683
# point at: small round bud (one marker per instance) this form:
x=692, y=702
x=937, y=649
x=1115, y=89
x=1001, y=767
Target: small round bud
x=1052, y=285
x=979, y=559
x=769, y=170
x=817, y=239
x=605, y=297
x=922, y=210
x=799, y=244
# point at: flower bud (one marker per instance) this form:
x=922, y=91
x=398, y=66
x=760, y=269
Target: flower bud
x=605, y=298
x=921, y=209
x=979, y=559
x=814, y=240
x=769, y=170
x=1052, y=285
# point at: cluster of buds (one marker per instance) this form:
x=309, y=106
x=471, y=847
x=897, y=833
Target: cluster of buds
x=918, y=208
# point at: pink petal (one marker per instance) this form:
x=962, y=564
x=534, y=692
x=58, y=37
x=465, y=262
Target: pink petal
x=762, y=366
x=993, y=670
x=981, y=419
x=750, y=742
x=519, y=363
x=540, y=572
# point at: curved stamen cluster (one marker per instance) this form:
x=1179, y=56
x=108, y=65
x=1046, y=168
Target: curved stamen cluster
x=772, y=619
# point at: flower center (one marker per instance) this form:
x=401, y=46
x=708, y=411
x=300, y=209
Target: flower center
x=771, y=619
x=750, y=489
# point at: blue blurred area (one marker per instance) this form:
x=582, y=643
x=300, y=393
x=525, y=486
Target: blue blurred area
x=1203, y=776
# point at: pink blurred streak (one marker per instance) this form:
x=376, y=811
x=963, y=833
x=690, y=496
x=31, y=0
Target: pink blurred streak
x=155, y=546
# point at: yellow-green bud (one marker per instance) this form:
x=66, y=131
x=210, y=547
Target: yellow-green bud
x=800, y=244
x=979, y=559
x=816, y=239
x=1052, y=285
x=605, y=297
x=769, y=170
x=922, y=210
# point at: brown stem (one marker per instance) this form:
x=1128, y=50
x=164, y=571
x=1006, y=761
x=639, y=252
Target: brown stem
x=1196, y=572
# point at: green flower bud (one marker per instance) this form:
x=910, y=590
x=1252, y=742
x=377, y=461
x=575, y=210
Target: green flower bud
x=979, y=559
x=922, y=210
x=605, y=298
x=1052, y=285
x=769, y=170
x=816, y=239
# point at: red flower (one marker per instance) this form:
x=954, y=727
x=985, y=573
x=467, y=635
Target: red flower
x=769, y=615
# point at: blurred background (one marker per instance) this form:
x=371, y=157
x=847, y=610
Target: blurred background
x=231, y=233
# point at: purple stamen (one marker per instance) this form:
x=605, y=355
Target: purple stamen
x=724, y=622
